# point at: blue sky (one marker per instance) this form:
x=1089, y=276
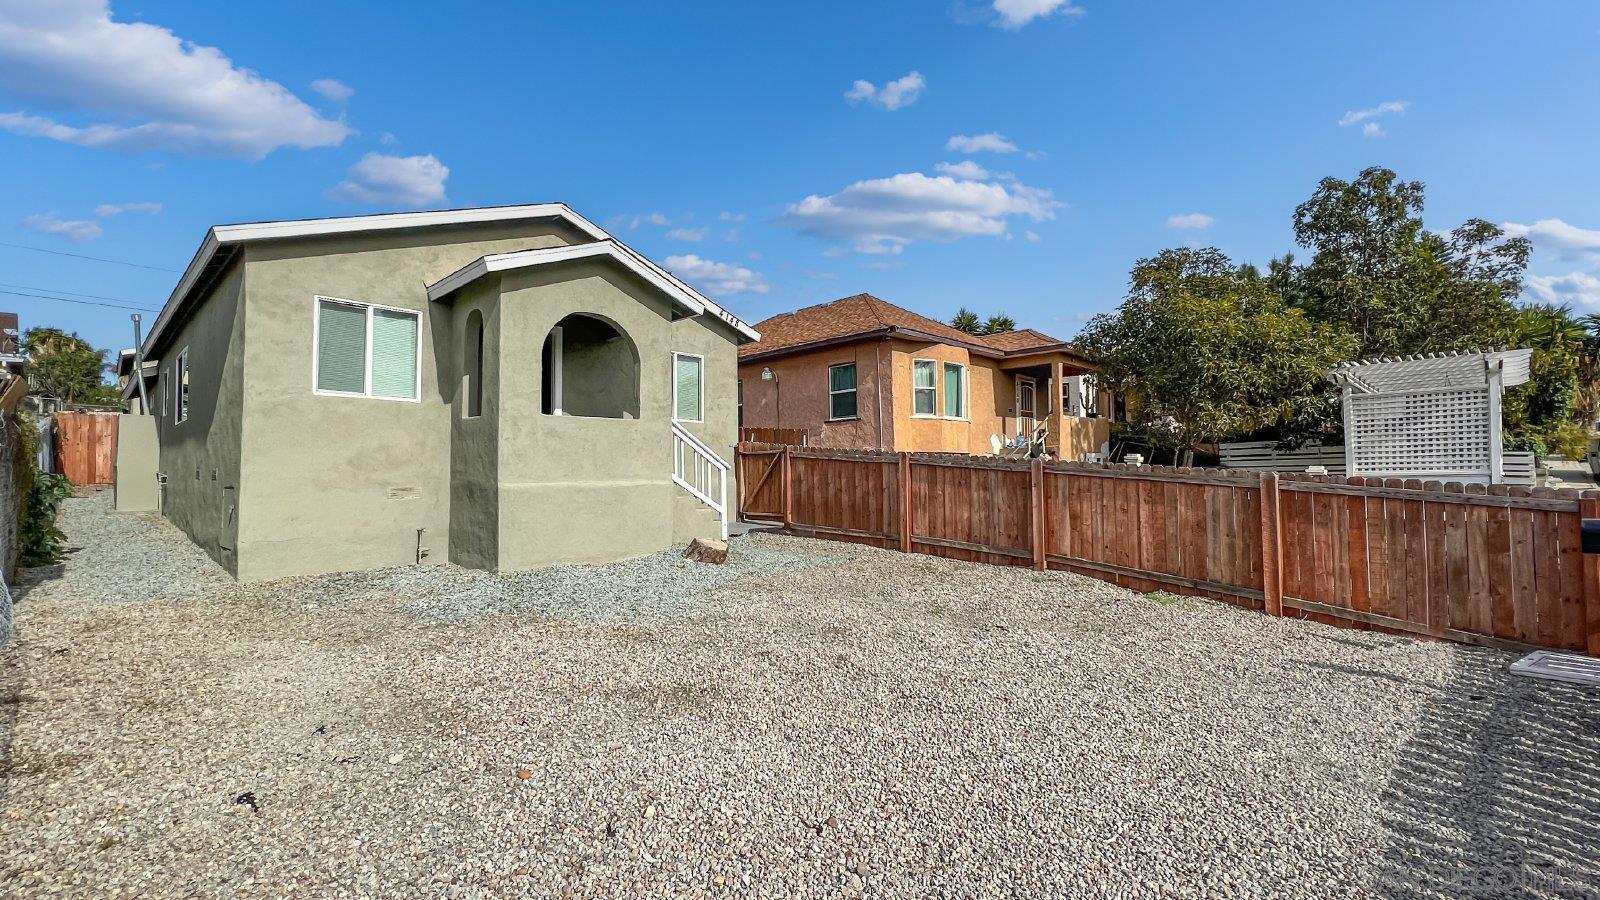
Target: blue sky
x=1010, y=155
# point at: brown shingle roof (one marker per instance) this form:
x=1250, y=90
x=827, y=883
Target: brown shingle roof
x=865, y=314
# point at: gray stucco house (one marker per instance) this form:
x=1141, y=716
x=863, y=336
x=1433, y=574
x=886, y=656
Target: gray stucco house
x=500, y=388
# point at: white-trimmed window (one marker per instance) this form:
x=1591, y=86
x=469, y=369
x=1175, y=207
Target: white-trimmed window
x=364, y=350
x=181, y=385
x=955, y=391
x=688, y=387
x=924, y=388
x=166, y=391
x=842, y=391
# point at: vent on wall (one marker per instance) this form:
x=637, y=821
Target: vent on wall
x=404, y=493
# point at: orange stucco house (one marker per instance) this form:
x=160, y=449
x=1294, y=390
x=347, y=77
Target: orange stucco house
x=861, y=373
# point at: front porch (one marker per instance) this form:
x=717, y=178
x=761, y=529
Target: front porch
x=1056, y=391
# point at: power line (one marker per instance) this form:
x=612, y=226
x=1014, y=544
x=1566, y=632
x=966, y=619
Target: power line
x=84, y=302
x=117, y=262
x=34, y=287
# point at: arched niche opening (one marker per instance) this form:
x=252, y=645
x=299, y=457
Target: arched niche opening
x=590, y=368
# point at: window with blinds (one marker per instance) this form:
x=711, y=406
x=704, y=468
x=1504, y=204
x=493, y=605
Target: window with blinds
x=688, y=382
x=182, y=413
x=366, y=351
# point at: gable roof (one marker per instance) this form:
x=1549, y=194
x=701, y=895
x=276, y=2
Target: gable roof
x=522, y=259
x=222, y=242
x=863, y=315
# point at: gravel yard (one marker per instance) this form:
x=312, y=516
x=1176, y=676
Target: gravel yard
x=813, y=720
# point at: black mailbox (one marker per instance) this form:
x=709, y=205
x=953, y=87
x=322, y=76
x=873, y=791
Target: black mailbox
x=1591, y=535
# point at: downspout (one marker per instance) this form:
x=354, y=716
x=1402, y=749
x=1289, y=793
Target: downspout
x=878, y=373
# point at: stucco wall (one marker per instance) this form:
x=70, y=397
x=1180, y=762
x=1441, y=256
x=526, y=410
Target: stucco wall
x=474, y=440
x=200, y=456
x=799, y=396
x=386, y=461
x=577, y=489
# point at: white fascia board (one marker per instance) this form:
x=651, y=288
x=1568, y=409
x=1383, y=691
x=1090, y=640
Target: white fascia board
x=521, y=259
x=711, y=306
x=222, y=235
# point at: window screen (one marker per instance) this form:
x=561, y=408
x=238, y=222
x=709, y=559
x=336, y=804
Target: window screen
x=924, y=392
x=687, y=380
x=341, y=347
x=394, y=354
x=345, y=362
x=842, y=392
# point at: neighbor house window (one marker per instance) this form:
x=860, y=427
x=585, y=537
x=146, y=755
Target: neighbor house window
x=366, y=351
x=182, y=371
x=924, y=389
x=955, y=399
x=842, y=391
x=688, y=387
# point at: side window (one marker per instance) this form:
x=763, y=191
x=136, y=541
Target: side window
x=842, y=391
x=924, y=391
x=181, y=412
x=366, y=351
x=955, y=398
x=688, y=387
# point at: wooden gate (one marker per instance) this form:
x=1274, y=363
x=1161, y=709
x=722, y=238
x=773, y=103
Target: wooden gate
x=761, y=479
x=86, y=447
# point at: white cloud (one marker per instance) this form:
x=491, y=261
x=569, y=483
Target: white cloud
x=1016, y=13
x=387, y=139
x=152, y=89
x=1190, y=221
x=1575, y=287
x=687, y=234
x=883, y=215
x=1568, y=241
x=654, y=218
x=817, y=275
x=71, y=229
x=980, y=143
x=966, y=170
x=1373, y=128
x=719, y=279
x=117, y=209
x=334, y=90
x=732, y=216
x=394, y=181
x=1032, y=236
x=903, y=91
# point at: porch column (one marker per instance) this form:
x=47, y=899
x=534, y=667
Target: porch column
x=1058, y=409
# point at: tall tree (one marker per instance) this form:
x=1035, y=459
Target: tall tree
x=966, y=320
x=1400, y=288
x=1208, y=350
x=61, y=364
x=998, y=324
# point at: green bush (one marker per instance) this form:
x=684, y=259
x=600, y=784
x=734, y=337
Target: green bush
x=39, y=538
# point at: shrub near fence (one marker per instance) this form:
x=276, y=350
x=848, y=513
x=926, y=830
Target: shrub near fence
x=1501, y=566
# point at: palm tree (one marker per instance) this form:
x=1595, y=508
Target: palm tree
x=966, y=320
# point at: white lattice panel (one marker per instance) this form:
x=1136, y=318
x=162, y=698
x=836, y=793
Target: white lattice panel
x=1443, y=432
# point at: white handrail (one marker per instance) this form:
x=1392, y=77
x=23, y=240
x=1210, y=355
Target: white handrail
x=701, y=472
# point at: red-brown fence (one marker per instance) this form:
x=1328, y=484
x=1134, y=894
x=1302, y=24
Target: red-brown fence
x=86, y=447
x=1501, y=566
x=796, y=436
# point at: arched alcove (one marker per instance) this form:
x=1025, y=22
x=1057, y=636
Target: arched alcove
x=472, y=365
x=590, y=367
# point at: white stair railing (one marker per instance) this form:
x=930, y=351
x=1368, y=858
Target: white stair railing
x=701, y=472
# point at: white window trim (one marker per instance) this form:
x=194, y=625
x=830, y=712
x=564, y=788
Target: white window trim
x=166, y=390
x=366, y=391
x=855, y=390
x=675, y=355
x=935, y=389
x=962, y=388
x=180, y=369
x=557, y=360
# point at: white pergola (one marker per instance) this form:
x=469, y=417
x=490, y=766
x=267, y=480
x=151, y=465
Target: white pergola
x=1435, y=417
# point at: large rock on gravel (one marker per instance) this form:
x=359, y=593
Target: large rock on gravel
x=707, y=550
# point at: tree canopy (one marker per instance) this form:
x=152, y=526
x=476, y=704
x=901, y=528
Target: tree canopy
x=64, y=365
x=1211, y=349
x=968, y=321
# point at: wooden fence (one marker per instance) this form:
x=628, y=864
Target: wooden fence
x=86, y=447
x=1501, y=566
x=796, y=436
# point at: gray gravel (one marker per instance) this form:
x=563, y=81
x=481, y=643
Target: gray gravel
x=815, y=720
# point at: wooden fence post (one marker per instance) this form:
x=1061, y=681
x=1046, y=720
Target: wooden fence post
x=1036, y=471
x=1271, y=545
x=905, y=502
x=788, y=489
x=1589, y=508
